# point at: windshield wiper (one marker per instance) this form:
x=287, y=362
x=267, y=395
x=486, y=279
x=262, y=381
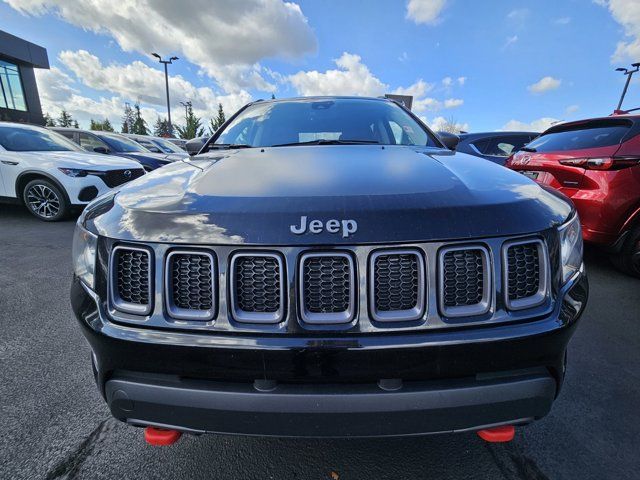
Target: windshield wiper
x=528, y=149
x=228, y=146
x=325, y=141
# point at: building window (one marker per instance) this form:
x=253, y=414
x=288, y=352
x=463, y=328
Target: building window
x=11, y=93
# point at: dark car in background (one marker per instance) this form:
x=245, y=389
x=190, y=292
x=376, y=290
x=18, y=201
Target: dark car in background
x=326, y=267
x=115, y=144
x=494, y=146
x=596, y=163
x=157, y=144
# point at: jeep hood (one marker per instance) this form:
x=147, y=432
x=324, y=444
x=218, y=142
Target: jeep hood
x=394, y=193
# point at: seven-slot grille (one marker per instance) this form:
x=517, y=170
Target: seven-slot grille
x=131, y=280
x=190, y=281
x=525, y=273
x=397, y=285
x=465, y=281
x=257, y=287
x=327, y=287
x=327, y=283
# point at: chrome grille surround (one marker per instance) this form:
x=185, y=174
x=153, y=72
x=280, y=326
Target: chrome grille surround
x=345, y=315
x=196, y=288
x=144, y=278
x=417, y=283
x=446, y=277
x=268, y=315
x=513, y=276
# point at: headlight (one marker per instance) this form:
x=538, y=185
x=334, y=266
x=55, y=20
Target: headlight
x=74, y=172
x=84, y=255
x=570, y=248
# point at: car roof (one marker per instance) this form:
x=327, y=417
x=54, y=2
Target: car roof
x=479, y=135
x=609, y=118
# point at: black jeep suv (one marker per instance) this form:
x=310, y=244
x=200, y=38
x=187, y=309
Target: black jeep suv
x=326, y=267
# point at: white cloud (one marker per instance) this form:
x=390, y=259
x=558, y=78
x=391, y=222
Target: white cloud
x=352, y=78
x=461, y=81
x=562, y=20
x=545, y=84
x=538, y=125
x=518, y=15
x=572, y=109
x=226, y=39
x=417, y=90
x=404, y=56
x=453, y=102
x=447, y=81
x=627, y=14
x=445, y=124
x=510, y=41
x=425, y=11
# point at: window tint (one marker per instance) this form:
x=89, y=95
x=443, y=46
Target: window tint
x=148, y=144
x=166, y=146
x=587, y=135
x=89, y=142
x=505, y=146
x=11, y=94
x=34, y=139
x=122, y=144
x=274, y=123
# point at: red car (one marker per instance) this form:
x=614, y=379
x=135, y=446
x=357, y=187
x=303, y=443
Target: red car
x=596, y=163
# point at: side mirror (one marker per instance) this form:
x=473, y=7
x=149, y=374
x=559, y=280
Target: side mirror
x=100, y=150
x=450, y=140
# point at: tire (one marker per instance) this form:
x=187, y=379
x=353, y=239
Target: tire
x=628, y=260
x=45, y=200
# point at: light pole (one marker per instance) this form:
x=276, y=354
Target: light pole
x=166, y=81
x=629, y=74
x=186, y=106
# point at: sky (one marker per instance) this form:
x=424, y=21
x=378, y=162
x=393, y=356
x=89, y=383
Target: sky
x=484, y=65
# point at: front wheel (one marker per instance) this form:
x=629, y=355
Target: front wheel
x=45, y=200
x=628, y=260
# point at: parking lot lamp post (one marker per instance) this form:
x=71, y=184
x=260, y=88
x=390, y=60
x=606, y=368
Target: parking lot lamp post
x=166, y=81
x=629, y=74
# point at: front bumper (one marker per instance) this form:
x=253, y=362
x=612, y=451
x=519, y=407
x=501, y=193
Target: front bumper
x=332, y=385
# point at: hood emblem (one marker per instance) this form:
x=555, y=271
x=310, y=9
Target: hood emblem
x=346, y=227
x=127, y=173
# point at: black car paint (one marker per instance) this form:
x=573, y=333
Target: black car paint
x=227, y=200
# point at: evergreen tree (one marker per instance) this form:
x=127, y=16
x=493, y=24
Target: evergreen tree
x=216, y=123
x=75, y=124
x=273, y=96
x=127, y=119
x=48, y=120
x=65, y=119
x=193, y=125
x=139, y=123
x=93, y=125
x=161, y=128
x=106, y=126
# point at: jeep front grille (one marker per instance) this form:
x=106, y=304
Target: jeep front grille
x=464, y=281
x=257, y=287
x=131, y=280
x=525, y=273
x=397, y=285
x=327, y=287
x=190, y=278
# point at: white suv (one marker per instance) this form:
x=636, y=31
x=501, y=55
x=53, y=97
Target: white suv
x=50, y=174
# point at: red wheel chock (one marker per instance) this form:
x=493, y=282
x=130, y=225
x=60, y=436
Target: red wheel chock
x=498, y=434
x=159, y=437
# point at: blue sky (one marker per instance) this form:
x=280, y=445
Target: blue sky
x=492, y=64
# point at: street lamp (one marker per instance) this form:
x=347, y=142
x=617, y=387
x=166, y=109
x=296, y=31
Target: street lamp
x=186, y=106
x=166, y=81
x=629, y=74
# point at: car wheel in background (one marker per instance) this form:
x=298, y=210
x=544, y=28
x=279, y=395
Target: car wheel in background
x=628, y=260
x=45, y=200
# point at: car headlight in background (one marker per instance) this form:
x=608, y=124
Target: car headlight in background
x=570, y=248
x=74, y=172
x=84, y=255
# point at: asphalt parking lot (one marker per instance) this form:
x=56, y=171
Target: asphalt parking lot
x=57, y=426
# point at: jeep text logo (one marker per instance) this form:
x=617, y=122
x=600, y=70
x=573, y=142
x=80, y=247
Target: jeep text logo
x=332, y=226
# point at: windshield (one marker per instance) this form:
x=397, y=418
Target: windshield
x=122, y=144
x=34, y=139
x=329, y=120
x=166, y=146
x=585, y=135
